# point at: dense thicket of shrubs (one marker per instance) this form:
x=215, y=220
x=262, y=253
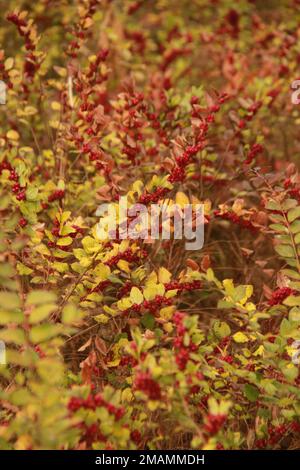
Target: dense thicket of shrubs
x=135, y=344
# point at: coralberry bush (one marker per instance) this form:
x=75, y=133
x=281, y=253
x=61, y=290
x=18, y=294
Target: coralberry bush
x=142, y=344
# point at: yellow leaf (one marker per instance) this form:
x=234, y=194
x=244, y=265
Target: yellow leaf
x=65, y=241
x=109, y=310
x=229, y=287
x=152, y=279
x=43, y=250
x=55, y=105
x=248, y=293
x=124, y=266
x=160, y=289
x=12, y=135
x=181, y=199
x=167, y=312
x=101, y=318
x=150, y=292
x=136, y=296
x=9, y=63
x=171, y=293
x=240, y=337
x=102, y=272
x=168, y=327
x=124, y=304
x=164, y=275
x=259, y=351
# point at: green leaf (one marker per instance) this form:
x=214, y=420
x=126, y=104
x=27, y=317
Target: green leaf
x=148, y=321
x=291, y=274
x=32, y=193
x=292, y=301
x=11, y=317
x=295, y=227
x=297, y=239
x=44, y=332
x=9, y=300
x=221, y=329
x=71, y=314
x=251, y=392
x=39, y=297
x=60, y=267
x=273, y=206
x=286, y=251
x=294, y=214
x=278, y=228
x=16, y=336
x=286, y=328
x=290, y=371
x=39, y=314
x=65, y=241
x=51, y=371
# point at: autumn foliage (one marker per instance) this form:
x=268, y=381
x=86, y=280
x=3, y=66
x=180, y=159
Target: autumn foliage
x=142, y=344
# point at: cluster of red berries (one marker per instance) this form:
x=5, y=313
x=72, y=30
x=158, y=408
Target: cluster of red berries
x=26, y=29
x=57, y=195
x=214, y=423
x=228, y=358
x=133, y=7
x=234, y=218
x=182, y=351
x=154, y=122
x=150, y=305
x=94, y=65
x=145, y=383
x=126, y=255
x=79, y=30
x=40, y=352
x=255, y=150
x=17, y=189
x=177, y=175
x=147, y=198
x=138, y=41
x=183, y=286
x=279, y=295
x=125, y=289
x=276, y=433
x=136, y=436
x=85, y=147
x=178, y=172
x=223, y=343
x=292, y=189
x=23, y=222
x=128, y=361
x=94, y=401
x=132, y=125
x=251, y=112
x=56, y=233
x=90, y=434
x=253, y=109
x=100, y=287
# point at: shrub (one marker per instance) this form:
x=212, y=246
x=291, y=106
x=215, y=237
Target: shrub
x=142, y=344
